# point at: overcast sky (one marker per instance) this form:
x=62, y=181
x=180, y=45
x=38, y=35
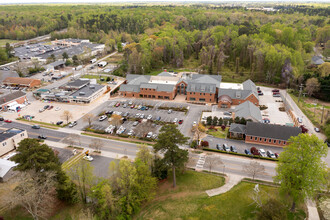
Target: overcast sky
x=124, y=1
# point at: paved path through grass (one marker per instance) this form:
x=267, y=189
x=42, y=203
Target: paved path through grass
x=312, y=210
x=231, y=181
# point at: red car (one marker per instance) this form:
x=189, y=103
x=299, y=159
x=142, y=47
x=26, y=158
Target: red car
x=8, y=121
x=118, y=104
x=132, y=106
x=50, y=107
x=180, y=122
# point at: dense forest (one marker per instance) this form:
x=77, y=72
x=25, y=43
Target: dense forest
x=271, y=47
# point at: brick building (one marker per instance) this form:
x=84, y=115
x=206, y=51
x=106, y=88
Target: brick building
x=234, y=94
x=266, y=134
x=13, y=101
x=21, y=82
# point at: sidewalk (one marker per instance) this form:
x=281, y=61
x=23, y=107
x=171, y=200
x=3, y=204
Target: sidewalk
x=312, y=210
x=231, y=181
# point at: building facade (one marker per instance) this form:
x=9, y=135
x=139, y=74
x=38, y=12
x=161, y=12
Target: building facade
x=13, y=101
x=10, y=138
x=21, y=82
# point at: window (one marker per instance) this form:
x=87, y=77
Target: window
x=284, y=142
x=204, y=93
x=279, y=142
x=200, y=93
x=255, y=138
x=202, y=100
x=260, y=139
x=250, y=137
x=270, y=140
x=192, y=99
x=265, y=140
x=274, y=141
x=4, y=143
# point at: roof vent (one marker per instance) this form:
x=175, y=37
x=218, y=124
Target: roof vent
x=81, y=93
x=92, y=87
x=238, y=94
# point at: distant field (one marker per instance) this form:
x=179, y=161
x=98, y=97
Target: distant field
x=4, y=41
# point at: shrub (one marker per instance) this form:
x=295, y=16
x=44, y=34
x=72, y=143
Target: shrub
x=263, y=107
x=204, y=143
x=273, y=210
x=108, y=79
x=223, y=127
x=193, y=144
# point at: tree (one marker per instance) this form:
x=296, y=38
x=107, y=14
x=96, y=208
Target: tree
x=215, y=121
x=142, y=129
x=237, y=120
x=65, y=56
x=115, y=120
x=220, y=122
x=209, y=120
x=254, y=168
x=34, y=192
x=198, y=129
x=66, y=116
x=82, y=174
x=312, y=86
x=273, y=210
x=300, y=169
x=212, y=160
x=242, y=121
x=168, y=140
x=89, y=118
x=96, y=144
x=75, y=59
x=144, y=155
x=52, y=58
x=72, y=139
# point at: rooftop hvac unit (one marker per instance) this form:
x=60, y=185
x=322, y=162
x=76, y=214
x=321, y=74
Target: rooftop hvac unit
x=92, y=87
x=81, y=93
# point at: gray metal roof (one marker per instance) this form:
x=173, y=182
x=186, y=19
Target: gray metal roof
x=280, y=132
x=248, y=110
x=9, y=133
x=201, y=88
x=165, y=74
x=317, y=60
x=237, y=128
x=211, y=79
x=77, y=83
x=57, y=63
x=129, y=88
x=5, y=166
x=148, y=85
x=88, y=90
x=235, y=93
x=11, y=96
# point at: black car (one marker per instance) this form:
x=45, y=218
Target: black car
x=35, y=126
x=218, y=147
x=46, y=106
x=59, y=122
x=41, y=136
x=233, y=149
x=109, y=112
x=1, y=119
x=225, y=147
x=246, y=151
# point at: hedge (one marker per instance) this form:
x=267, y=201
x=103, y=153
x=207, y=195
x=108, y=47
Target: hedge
x=244, y=155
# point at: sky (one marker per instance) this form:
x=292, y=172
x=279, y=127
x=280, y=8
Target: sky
x=143, y=1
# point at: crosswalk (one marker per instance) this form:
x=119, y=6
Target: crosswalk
x=200, y=162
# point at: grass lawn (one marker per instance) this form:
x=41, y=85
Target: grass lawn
x=97, y=77
x=189, y=200
x=4, y=41
x=219, y=133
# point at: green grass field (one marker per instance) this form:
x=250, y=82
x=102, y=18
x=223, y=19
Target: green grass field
x=219, y=133
x=189, y=200
x=4, y=41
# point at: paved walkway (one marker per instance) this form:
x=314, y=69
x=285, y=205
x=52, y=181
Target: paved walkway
x=312, y=210
x=232, y=180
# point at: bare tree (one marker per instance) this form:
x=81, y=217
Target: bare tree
x=143, y=128
x=96, y=144
x=312, y=86
x=66, y=116
x=115, y=120
x=89, y=118
x=212, y=161
x=35, y=192
x=198, y=129
x=254, y=168
x=72, y=139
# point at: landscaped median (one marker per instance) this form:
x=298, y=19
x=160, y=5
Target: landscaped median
x=43, y=124
x=238, y=154
x=73, y=160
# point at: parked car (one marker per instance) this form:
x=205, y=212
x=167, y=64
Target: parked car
x=41, y=136
x=260, y=93
x=175, y=120
x=1, y=119
x=262, y=153
x=317, y=129
x=254, y=151
x=125, y=105
x=125, y=114
x=225, y=148
x=158, y=118
x=275, y=90
x=103, y=117
x=137, y=115
x=57, y=108
x=72, y=124
x=149, y=135
x=8, y=121
x=247, y=152
x=233, y=149
x=135, y=123
x=271, y=154
x=194, y=123
x=35, y=126
x=147, y=108
x=109, y=112
x=110, y=129
x=143, y=108
x=154, y=136
x=180, y=121
x=299, y=120
x=139, y=107
x=142, y=116
x=130, y=102
x=227, y=113
x=266, y=120
x=130, y=133
x=88, y=158
x=46, y=106
x=59, y=122
x=132, y=106
x=42, y=110
x=218, y=147
x=276, y=95
x=277, y=155
x=50, y=107
x=118, y=104
x=169, y=111
x=149, y=117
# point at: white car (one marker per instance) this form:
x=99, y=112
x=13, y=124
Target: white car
x=175, y=120
x=149, y=135
x=130, y=103
x=42, y=110
x=135, y=123
x=142, y=116
x=103, y=117
x=137, y=115
x=299, y=120
x=194, y=123
x=130, y=133
x=149, y=117
x=262, y=152
x=110, y=129
x=88, y=158
x=57, y=108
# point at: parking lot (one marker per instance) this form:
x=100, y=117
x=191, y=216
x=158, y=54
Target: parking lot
x=273, y=103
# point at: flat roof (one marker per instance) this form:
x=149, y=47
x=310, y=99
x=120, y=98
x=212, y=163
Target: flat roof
x=9, y=133
x=231, y=86
x=6, y=165
x=88, y=90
